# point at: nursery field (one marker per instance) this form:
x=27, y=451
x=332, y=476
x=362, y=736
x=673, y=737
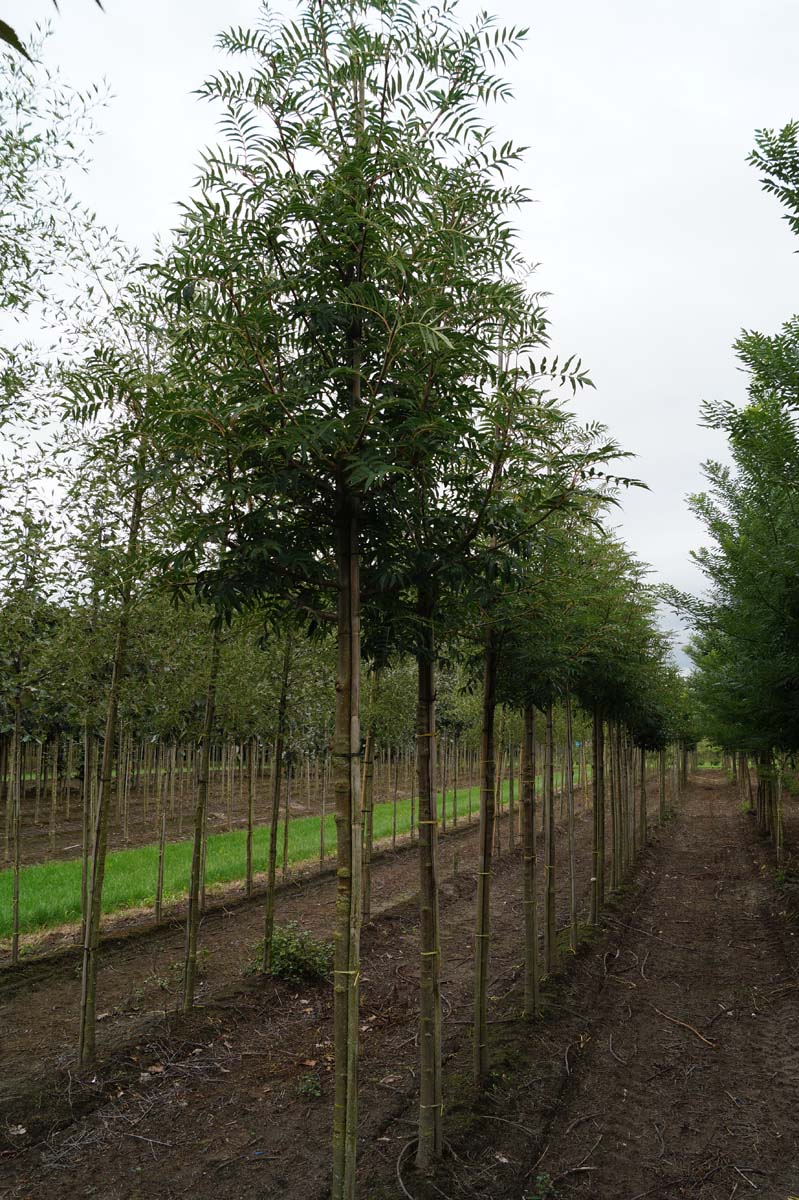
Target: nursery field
x=50, y=893
x=209, y=1101
x=376, y=822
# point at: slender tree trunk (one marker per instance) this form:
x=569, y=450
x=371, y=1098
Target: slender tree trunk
x=367, y=790
x=91, y=942
x=323, y=817
x=550, y=933
x=500, y=770
x=455, y=757
x=442, y=759
x=367, y=784
x=569, y=772
x=85, y=832
x=531, y=1003
x=277, y=771
x=662, y=784
x=15, y=800
x=37, y=781
x=777, y=829
x=642, y=813
x=203, y=769
x=347, y=753
x=5, y=788
x=614, y=807
x=414, y=769
x=159, y=886
x=53, y=791
x=583, y=774
x=598, y=838
x=430, y=1086
x=486, y=840
x=250, y=809
x=511, y=800
x=289, y=779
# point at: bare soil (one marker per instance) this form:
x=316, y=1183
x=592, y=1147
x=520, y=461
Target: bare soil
x=606, y=1095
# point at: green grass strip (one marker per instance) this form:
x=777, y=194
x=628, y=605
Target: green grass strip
x=50, y=892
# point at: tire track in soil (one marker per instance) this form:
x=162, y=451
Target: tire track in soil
x=227, y=1094
x=678, y=1117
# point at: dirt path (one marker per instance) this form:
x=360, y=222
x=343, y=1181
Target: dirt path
x=709, y=1107
x=682, y=1077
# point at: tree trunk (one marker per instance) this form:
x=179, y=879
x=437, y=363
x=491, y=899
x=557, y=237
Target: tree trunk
x=277, y=774
x=550, y=933
x=569, y=772
x=85, y=832
x=642, y=813
x=486, y=839
x=15, y=800
x=455, y=757
x=159, y=884
x=777, y=832
x=511, y=800
x=430, y=1087
x=500, y=770
x=201, y=805
x=250, y=807
x=367, y=789
x=598, y=833
x=287, y=816
x=91, y=942
x=323, y=814
x=347, y=753
x=529, y=865
x=54, y=746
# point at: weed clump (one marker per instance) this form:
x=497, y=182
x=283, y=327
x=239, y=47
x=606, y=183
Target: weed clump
x=297, y=956
x=309, y=1086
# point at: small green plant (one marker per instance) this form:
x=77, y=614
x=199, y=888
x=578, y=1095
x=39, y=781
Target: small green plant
x=309, y=1086
x=543, y=1189
x=297, y=956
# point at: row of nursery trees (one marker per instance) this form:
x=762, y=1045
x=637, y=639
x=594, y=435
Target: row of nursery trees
x=746, y=631
x=326, y=411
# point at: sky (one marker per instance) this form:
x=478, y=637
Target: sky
x=653, y=238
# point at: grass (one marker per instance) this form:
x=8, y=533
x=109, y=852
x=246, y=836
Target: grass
x=50, y=892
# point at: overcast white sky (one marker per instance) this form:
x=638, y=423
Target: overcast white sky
x=654, y=238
